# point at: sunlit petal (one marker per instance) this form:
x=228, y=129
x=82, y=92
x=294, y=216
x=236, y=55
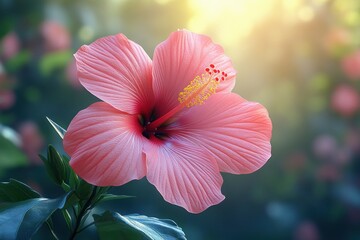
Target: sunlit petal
x=182, y=57
x=235, y=131
x=118, y=71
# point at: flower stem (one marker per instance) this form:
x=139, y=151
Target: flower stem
x=82, y=213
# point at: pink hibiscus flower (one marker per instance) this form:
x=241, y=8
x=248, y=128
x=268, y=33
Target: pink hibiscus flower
x=173, y=119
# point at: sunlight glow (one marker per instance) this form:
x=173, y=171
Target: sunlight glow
x=233, y=19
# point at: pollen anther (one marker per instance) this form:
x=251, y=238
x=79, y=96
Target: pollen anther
x=201, y=87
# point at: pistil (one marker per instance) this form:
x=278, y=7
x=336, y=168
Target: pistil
x=199, y=89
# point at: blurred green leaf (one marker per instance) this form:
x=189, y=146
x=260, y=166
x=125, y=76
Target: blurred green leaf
x=112, y=225
x=57, y=128
x=32, y=94
x=21, y=220
x=18, y=61
x=15, y=191
x=53, y=61
x=55, y=166
x=10, y=155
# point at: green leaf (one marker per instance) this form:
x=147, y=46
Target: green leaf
x=65, y=187
x=61, y=131
x=110, y=197
x=55, y=166
x=73, y=179
x=21, y=220
x=112, y=225
x=71, y=200
x=67, y=218
x=15, y=191
x=48, y=168
x=58, y=164
x=84, y=190
x=103, y=190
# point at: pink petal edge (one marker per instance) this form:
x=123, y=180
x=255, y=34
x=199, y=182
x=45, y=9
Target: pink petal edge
x=184, y=175
x=118, y=71
x=182, y=57
x=236, y=132
x=105, y=146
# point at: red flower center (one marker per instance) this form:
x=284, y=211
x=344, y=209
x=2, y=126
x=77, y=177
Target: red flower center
x=196, y=93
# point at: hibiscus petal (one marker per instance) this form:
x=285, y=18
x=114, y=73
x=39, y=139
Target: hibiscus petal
x=184, y=175
x=118, y=71
x=235, y=131
x=105, y=146
x=182, y=57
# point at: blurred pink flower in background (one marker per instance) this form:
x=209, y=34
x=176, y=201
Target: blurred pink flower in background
x=56, y=36
x=329, y=172
x=351, y=65
x=7, y=99
x=173, y=119
x=324, y=146
x=10, y=45
x=306, y=230
x=7, y=96
x=345, y=100
x=31, y=141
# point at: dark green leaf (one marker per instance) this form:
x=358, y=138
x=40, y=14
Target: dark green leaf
x=103, y=190
x=109, y=197
x=73, y=178
x=48, y=168
x=21, y=220
x=67, y=218
x=55, y=166
x=65, y=187
x=61, y=131
x=71, y=200
x=112, y=225
x=109, y=228
x=15, y=191
x=84, y=190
